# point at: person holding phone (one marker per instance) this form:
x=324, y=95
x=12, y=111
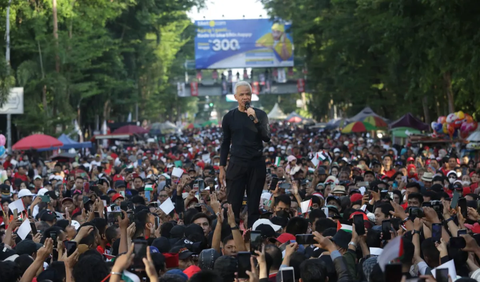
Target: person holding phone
x=244, y=131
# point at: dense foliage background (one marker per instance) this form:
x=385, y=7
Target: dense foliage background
x=397, y=56
x=97, y=59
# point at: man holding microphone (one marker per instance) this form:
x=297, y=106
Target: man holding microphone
x=244, y=128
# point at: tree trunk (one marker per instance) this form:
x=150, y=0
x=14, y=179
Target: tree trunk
x=106, y=110
x=55, y=33
x=447, y=79
x=426, y=114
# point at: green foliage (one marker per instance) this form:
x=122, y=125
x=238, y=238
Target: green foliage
x=387, y=54
x=109, y=57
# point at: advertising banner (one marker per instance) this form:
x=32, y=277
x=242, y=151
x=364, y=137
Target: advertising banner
x=256, y=43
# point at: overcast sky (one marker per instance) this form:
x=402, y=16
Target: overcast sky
x=229, y=9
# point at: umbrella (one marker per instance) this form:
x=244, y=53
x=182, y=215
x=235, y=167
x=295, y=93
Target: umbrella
x=375, y=121
x=37, y=141
x=336, y=123
x=358, y=126
x=130, y=129
x=295, y=119
x=190, y=126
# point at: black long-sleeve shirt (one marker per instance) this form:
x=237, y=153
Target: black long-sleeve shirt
x=245, y=136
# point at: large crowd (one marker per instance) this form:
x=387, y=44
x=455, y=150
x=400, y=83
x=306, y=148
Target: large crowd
x=333, y=208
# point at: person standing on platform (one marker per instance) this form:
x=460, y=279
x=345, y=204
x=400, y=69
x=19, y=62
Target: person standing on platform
x=245, y=129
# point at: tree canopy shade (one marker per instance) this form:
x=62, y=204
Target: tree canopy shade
x=93, y=60
x=395, y=56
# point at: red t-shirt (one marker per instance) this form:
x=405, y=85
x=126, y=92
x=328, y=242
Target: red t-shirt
x=389, y=173
x=6, y=164
x=22, y=177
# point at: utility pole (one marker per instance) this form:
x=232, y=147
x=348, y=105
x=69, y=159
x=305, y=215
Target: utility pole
x=7, y=59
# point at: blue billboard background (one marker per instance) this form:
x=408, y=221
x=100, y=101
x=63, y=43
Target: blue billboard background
x=242, y=44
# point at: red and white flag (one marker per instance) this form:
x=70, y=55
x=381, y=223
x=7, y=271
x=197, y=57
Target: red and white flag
x=393, y=250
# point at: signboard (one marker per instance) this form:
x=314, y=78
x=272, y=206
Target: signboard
x=14, y=104
x=256, y=43
x=193, y=89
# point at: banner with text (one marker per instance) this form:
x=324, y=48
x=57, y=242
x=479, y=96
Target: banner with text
x=257, y=43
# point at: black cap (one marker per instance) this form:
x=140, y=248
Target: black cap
x=437, y=188
x=5, y=252
x=193, y=229
x=342, y=238
x=178, y=231
x=27, y=247
x=437, y=178
x=321, y=171
x=266, y=231
x=162, y=244
x=4, y=187
x=120, y=183
x=48, y=216
x=52, y=195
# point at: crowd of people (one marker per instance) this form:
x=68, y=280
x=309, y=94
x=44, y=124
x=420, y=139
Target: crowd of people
x=331, y=204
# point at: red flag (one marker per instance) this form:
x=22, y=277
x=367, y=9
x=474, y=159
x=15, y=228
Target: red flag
x=301, y=85
x=194, y=89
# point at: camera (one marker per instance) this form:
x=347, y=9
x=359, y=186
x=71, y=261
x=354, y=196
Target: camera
x=415, y=212
x=437, y=206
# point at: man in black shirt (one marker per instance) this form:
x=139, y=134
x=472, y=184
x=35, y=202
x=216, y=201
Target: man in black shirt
x=244, y=129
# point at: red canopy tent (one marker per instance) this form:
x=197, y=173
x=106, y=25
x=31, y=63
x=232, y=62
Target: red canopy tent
x=130, y=129
x=37, y=141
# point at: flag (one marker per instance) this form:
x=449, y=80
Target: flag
x=149, y=187
x=277, y=161
x=344, y=227
x=391, y=251
x=315, y=160
x=305, y=205
x=323, y=156
x=128, y=276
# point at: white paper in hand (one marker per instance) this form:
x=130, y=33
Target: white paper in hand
x=450, y=265
x=362, y=190
x=18, y=204
x=167, y=206
x=315, y=160
x=24, y=229
x=305, y=206
x=177, y=172
x=206, y=158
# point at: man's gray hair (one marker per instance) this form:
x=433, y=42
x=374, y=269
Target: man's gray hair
x=243, y=83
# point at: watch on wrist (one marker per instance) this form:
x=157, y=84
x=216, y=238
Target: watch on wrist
x=234, y=228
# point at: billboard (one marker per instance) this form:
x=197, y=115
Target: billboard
x=256, y=43
x=14, y=104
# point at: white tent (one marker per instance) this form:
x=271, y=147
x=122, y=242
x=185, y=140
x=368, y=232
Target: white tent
x=276, y=113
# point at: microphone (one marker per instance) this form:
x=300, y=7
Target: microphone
x=247, y=106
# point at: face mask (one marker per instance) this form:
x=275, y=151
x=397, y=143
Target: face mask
x=282, y=214
x=466, y=183
x=216, y=164
x=451, y=180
